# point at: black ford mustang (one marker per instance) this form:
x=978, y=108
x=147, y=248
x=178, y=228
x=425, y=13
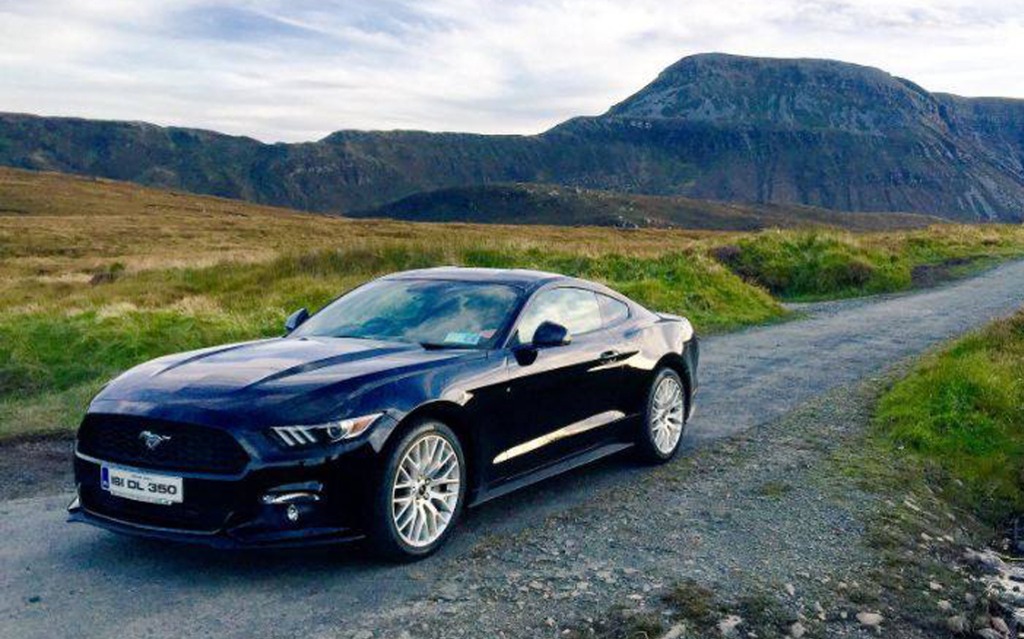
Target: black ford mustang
x=385, y=413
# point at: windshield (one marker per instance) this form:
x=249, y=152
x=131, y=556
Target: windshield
x=436, y=313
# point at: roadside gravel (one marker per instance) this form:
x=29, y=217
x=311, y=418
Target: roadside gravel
x=36, y=466
x=766, y=515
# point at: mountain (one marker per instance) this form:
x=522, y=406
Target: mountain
x=832, y=134
x=532, y=203
x=770, y=131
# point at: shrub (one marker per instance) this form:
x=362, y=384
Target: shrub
x=813, y=264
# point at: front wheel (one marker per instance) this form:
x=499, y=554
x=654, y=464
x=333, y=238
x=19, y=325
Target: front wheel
x=419, y=497
x=665, y=418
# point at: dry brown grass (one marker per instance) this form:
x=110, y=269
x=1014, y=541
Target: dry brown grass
x=58, y=226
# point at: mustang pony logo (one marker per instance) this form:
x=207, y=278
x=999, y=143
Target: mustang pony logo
x=153, y=440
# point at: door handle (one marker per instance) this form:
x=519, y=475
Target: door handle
x=608, y=355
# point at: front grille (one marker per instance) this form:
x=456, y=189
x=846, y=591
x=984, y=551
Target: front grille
x=190, y=447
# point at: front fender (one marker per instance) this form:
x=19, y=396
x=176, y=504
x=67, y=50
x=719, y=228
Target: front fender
x=382, y=433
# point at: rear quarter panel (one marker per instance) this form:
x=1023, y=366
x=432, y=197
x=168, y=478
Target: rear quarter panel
x=660, y=339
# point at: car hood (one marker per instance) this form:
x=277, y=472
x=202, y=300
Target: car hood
x=283, y=367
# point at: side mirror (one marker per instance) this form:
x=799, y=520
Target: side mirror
x=295, y=320
x=551, y=334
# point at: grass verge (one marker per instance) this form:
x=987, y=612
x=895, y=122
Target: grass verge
x=960, y=415
x=815, y=264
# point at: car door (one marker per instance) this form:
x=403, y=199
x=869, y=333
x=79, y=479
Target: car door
x=560, y=397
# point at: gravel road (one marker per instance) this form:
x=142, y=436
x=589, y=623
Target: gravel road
x=529, y=564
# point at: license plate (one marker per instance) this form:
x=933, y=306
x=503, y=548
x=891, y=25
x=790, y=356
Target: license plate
x=141, y=486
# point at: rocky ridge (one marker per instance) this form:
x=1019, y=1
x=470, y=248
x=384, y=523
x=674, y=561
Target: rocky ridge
x=711, y=126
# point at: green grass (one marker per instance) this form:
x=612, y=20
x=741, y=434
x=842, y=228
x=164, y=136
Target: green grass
x=960, y=412
x=59, y=339
x=50, y=359
x=817, y=264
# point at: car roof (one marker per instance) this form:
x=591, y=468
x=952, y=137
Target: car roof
x=522, y=277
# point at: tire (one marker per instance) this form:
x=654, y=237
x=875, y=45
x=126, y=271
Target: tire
x=412, y=513
x=664, y=422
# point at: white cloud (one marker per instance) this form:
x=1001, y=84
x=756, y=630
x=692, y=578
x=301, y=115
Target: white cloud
x=299, y=69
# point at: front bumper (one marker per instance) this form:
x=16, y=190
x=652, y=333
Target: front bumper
x=251, y=509
x=227, y=539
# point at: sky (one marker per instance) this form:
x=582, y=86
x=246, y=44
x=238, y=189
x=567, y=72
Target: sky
x=296, y=70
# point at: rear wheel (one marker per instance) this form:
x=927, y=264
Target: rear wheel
x=419, y=496
x=665, y=419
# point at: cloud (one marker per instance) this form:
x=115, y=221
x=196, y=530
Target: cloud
x=299, y=69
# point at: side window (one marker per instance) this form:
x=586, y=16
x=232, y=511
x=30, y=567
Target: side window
x=612, y=310
x=574, y=308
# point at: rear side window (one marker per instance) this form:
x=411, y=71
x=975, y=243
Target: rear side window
x=574, y=308
x=612, y=310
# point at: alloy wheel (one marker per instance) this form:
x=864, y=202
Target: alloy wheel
x=425, y=493
x=666, y=421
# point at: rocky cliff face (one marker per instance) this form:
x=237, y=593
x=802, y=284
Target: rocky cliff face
x=815, y=132
x=733, y=91
x=833, y=134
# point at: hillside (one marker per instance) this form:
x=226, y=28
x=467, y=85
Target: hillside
x=527, y=203
x=712, y=126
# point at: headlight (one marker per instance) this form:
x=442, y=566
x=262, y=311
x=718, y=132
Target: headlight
x=329, y=433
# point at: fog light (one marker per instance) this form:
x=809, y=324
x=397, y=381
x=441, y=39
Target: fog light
x=292, y=513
